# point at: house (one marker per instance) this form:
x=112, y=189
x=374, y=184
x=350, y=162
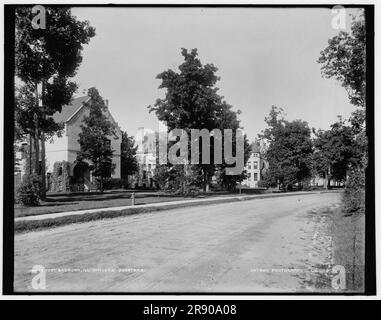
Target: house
x=255, y=167
x=146, y=157
x=62, y=170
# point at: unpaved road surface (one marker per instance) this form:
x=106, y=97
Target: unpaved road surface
x=267, y=245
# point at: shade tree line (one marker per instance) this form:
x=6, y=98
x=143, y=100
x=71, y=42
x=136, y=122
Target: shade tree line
x=339, y=153
x=297, y=153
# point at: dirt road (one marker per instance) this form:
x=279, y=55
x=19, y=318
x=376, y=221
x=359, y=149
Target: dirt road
x=267, y=245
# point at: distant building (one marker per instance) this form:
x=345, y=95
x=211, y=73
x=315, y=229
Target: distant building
x=255, y=167
x=146, y=156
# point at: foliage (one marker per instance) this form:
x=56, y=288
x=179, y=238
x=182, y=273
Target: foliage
x=60, y=177
x=336, y=150
x=289, y=151
x=230, y=181
x=45, y=60
x=129, y=164
x=268, y=180
x=178, y=181
x=55, y=50
x=111, y=183
x=192, y=102
x=27, y=111
x=354, y=195
x=344, y=60
x=27, y=192
x=94, y=139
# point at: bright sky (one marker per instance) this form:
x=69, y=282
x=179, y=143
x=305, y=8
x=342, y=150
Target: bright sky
x=264, y=57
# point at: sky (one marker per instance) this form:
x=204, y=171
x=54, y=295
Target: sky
x=264, y=56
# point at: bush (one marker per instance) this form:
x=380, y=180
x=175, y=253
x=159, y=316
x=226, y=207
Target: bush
x=28, y=192
x=354, y=194
x=112, y=183
x=60, y=178
x=108, y=183
x=263, y=184
x=189, y=191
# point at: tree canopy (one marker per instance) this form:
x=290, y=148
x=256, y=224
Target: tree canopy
x=336, y=151
x=289, y=150
x=94, y=139
x=344, y=59
x=192, y=102
x=45, y=60
x=129, y=164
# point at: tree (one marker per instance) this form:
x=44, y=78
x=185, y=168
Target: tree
x=94, y=139
x=344, y=60
x=230, y=181
x=289, y=150
x=45, y=60
x=129, y=164
x=336, y=151
x=192, y=102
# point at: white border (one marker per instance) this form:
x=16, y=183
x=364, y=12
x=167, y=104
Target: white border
x=213, y=297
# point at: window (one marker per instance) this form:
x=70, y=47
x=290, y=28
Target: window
x=249, y=165
x=255, y=176
x=255, y=164
x=249, y=176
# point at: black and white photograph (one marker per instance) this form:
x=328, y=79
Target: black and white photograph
x=189, y=149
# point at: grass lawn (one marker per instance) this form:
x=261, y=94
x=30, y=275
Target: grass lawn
x=72, y=202
x=82, y=201
x=349, y=247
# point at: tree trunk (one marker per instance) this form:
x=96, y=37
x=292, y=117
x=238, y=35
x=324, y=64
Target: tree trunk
x=43, y=175
x=203, y=180
x=101, y=184
x=328, y=177
x=36, y=147
x=36, y=138
x=43, y=162
x=30, y=156
x=326, y=180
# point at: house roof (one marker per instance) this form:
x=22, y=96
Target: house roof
x=69, y=110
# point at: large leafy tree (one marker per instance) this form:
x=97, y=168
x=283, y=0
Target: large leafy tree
x=45, y=60
x=129, y=164
x=192, y=102
x=95, y=139
x=289, y=150
x=336, y=151
x=344, y=59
